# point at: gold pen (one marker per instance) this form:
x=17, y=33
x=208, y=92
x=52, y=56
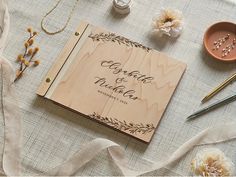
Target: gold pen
x=219, y=88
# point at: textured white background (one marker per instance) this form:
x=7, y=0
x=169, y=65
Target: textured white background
x=52, y=134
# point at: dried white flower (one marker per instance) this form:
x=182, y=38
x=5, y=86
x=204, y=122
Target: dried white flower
x=212, y=162
x=168, y=22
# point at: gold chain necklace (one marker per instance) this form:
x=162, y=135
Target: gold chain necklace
x=50, y=11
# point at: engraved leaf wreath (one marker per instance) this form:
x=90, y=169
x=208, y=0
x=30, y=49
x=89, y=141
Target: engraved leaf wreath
x=123, y=125
x=112, y=37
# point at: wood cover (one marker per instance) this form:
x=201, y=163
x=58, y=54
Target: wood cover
x=113, y=80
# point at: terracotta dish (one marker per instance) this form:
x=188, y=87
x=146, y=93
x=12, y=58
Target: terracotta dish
x=220, y=31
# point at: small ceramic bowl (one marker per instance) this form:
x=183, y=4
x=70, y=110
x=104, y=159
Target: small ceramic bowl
x=226, y=50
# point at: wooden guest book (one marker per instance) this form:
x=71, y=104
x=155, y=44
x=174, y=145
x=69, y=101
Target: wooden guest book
x=113, y=80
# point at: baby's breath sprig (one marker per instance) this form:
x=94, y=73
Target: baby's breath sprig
x=27, y=58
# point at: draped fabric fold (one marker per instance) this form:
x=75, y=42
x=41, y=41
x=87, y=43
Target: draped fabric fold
x=11, y=164
x=211, y=135
x=4, y=24
x=12, y=123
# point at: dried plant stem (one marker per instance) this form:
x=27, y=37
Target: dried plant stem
x=21, y=64
x=26, y=58
x=31, y=37
x=22, y=70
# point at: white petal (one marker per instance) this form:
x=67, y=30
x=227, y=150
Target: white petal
x=175, y=32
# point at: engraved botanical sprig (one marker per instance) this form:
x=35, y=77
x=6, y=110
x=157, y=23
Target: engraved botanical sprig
x=118, y=39
x=133, y=128
x=27, y=58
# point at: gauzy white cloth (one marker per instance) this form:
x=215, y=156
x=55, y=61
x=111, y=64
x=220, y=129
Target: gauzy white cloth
x=12, y=125
x=4, y=24
x=11, y=164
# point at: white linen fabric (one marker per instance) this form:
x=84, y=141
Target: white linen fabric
x=51, y=134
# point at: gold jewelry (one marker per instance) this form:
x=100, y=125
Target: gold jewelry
x=228, y=48
x=217, y=44
x=50, y=11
